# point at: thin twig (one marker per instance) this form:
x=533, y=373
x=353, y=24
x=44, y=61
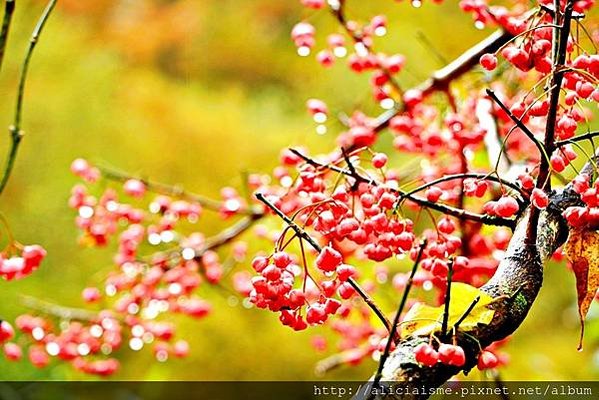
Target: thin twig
x=402, y=304
x=560, y=42
x=9, y=8
x=62, y=312
x=174, y=191
x=579, y=138
x=447, y=299
x=466, y=313
x=517, y=121
x=455, y=212
x=16, y=134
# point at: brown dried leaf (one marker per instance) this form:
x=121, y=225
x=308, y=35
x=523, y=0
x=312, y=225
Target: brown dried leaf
x=582, y=249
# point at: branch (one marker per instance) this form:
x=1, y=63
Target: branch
x=302, y=234
x=59, y=311
x=9, y=8
x=514, y=285
x=454, y=212
x=441, y=79
x=16, y=134
x=579, y=138
x=544, y=177
x=517, y=121
x=174, y=191
x=230, y=234
x=475, y=175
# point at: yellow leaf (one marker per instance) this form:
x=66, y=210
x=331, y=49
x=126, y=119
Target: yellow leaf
x=582, y=250
x=422, y=319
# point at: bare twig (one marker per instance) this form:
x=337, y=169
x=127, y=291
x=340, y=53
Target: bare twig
x=16, y=134
x=402, y=304
x=67, y=313
x=517, y=121
x=560, y=52
x=174, y=191
x=9, y=8
x=447, y=299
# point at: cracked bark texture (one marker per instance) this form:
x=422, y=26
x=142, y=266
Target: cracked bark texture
x=520, y=271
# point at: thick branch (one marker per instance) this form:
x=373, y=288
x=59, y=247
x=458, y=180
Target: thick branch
x=514, y=285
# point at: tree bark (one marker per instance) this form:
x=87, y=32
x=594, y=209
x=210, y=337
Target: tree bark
x=515, y=285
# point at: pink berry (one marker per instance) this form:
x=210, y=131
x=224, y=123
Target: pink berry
x=379, y=160
x=91, y=294
x=134, y=188
x=6, y=331
x=13, y=351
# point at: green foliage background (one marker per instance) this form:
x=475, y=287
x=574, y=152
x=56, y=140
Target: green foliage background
x=114, y=84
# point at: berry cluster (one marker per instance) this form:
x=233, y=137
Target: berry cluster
x=18, y=261
x=447, y=354
x=588, y=215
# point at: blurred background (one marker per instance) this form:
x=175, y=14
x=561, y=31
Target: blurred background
x=196, y=93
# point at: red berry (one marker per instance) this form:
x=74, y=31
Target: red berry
x=38, y=356
x=446, y=226
x=539, y=198
x=344, y=272
x=379, y=160
x=452, y=355
x=526, y=181
x=506, y=207
x=325, y=58
x=181, y=348
x=91, y=294
x=346, y=291
x=433, y=194
x=426, y=355
x=6, y=331
x=487, y=360
x=134, y=188
x=259, y=263
x=281, y=259
x=488, y=61
x=328, y=259
x=13, y=351
x=557, y=162
x=33, y=256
